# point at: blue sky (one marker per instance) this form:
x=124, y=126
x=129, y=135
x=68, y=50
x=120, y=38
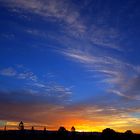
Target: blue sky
x=74, y=57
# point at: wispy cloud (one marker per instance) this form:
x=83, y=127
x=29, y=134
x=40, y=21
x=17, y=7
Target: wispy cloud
x=105, y=37
x=52, y=10
x=12, y=72
x=27, y=75
x=8, y=72
x=121, y=77
x=70, y=22
x=51, y=89
x=35, y=85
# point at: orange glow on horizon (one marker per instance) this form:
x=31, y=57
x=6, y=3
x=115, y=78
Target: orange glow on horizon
x=81, y=125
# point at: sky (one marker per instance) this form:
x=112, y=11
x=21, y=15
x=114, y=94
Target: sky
x=70, y=63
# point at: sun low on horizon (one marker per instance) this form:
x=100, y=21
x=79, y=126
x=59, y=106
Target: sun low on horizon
x=70, y=63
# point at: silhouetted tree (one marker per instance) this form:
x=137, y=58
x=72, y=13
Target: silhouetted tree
x=62, y=129
x=5, y=128
x=44, y=128
x=108, y=131
x=21, y=126
x=129, y=135
x=129, y=132
x=73, y=129
x=32, y=128
x=109, y=134
x=62, y=133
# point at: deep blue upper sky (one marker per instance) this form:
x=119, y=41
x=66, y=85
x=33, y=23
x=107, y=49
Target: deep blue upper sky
x=76, y=55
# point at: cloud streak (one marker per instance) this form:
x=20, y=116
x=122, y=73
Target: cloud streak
x=69, y=20
x=8, y=72
x=121, y=77
x=50, y=9
x=12, y=72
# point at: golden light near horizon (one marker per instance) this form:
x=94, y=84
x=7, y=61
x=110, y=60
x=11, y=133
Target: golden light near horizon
x=81, y=125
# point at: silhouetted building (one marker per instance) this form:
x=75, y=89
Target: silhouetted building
x=21, y=126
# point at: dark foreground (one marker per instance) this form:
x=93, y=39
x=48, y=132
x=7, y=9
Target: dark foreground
x=55, y=135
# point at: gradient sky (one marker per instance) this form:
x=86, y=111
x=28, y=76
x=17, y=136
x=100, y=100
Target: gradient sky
x=70, y=62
